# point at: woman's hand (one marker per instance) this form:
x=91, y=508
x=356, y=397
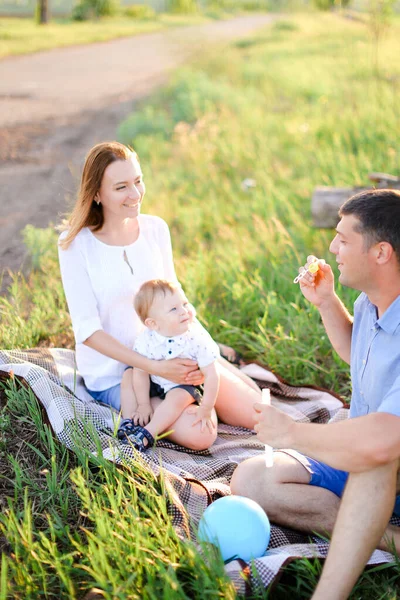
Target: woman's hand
x=178, y=370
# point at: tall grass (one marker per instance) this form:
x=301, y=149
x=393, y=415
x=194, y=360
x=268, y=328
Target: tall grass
x=76, y=523
x=24, y=36
x=297, y=106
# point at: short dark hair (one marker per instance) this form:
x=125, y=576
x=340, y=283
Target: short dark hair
x=379, y=214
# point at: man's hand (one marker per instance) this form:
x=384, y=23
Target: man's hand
x=273, y=426
x=204, y=416
x=178, y=370
x=318, y=288
x=142, y=414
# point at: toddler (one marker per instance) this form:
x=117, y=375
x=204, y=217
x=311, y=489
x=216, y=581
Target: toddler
x=171, y=331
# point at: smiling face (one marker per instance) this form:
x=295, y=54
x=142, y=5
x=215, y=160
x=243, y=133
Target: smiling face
x=122, y=190
x=169, y=314
x=355, y=261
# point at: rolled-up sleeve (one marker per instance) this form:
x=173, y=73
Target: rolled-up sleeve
x=82, y=304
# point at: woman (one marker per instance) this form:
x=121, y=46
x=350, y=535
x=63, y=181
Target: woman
x=106, y=252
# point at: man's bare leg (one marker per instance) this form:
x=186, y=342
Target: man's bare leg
x=286, y=496
x=365, y=510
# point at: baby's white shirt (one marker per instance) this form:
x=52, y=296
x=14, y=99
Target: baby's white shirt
x=100, y=283
x=196, y=343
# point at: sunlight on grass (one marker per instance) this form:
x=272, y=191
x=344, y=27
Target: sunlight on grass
x=296, y=106
x=24, y=36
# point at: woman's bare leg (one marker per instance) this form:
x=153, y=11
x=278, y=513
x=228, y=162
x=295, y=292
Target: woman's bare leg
x=234, y=369
x=186, y=435
x=236, y=398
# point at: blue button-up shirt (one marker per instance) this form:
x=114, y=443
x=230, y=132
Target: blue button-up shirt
x=375, y=359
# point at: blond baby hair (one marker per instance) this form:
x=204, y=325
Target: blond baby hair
x=148, y=292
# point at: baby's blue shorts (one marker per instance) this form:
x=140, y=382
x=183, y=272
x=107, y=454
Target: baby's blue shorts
x=322, y=475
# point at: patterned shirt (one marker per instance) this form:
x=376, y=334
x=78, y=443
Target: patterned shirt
x=196, y=344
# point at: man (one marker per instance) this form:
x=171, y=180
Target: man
x=303, y=491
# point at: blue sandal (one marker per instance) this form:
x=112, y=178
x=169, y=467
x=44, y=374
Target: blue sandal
x=129, y=433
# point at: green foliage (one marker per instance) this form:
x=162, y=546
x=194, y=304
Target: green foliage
x=93, y=9
x=140, y=11
x=34, y=309
x=330, y=4
x=22, y=36
x=148, y=121
x=324, y=4
x=182, y=7
x=231, y=6
x=298, y=105
x=287, y=109
x=192, y=95
x=39, y=243
x=380, y=13
x=76, y=522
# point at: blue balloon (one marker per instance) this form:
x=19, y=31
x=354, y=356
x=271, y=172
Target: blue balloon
x=238, y=526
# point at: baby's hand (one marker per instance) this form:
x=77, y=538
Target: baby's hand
x=142, y=414
x=203, y=416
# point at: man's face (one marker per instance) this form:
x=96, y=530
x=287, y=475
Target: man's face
x=355, y=262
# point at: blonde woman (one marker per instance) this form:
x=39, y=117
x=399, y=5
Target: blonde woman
x=108, y=249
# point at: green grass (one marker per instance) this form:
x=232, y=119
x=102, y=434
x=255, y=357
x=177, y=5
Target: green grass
x=297, y=106
x=24, y=36
x=76, y=523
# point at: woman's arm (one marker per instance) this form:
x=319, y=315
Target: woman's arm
x=87, y=326
x=176, y=370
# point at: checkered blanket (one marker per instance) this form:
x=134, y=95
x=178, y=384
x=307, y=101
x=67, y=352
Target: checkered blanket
x=194, y=479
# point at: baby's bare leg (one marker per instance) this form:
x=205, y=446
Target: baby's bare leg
x=128, y=398
x=168, y=411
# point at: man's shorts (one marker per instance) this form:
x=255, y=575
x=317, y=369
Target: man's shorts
x=322, y=475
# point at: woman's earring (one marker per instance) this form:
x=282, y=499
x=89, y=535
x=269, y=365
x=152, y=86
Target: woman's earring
x=97, y=201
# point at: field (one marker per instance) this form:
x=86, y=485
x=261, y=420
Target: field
x=311, y=101
x=23, y=36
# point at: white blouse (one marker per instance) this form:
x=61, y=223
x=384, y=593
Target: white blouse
x=100, y=282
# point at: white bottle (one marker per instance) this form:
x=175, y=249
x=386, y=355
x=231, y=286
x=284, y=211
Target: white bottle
x=269, y=452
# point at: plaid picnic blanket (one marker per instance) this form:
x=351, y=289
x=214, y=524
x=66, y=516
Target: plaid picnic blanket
x=194, y=479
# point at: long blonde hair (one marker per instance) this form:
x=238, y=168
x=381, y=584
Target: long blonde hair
x=86, y=212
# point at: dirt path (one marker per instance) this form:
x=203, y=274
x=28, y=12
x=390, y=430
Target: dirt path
x=55, y=105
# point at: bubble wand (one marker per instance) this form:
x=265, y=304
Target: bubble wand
x=269, y=451
x=313, y=267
